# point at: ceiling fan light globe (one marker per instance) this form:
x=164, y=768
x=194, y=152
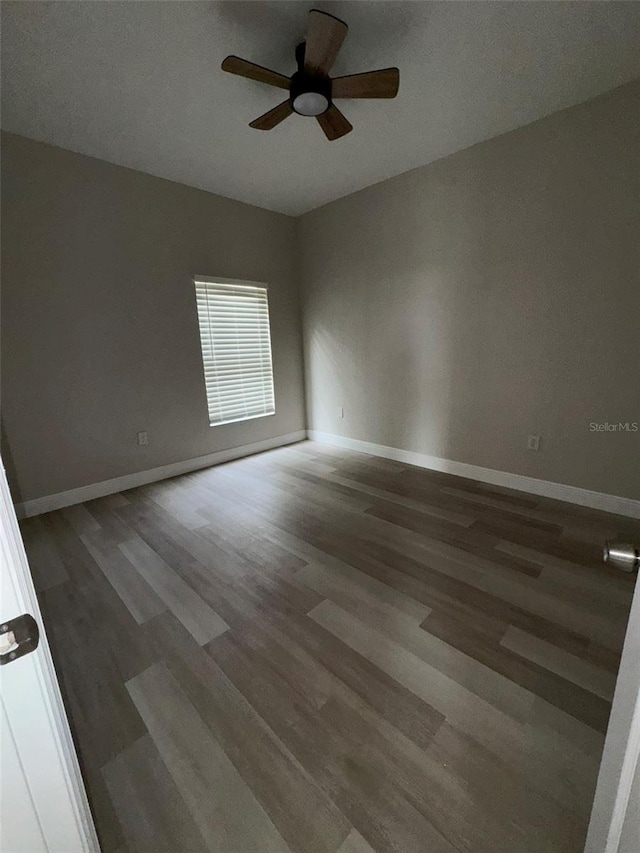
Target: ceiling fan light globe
x=310, y=103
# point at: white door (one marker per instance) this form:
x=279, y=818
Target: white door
x=615, y=818
x=43, y=803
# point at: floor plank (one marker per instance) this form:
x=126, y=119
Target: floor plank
x=139, y=598
x=154, y=816
x=581, y=672
x=197, y=617
x=221, y=804
x=362, y=593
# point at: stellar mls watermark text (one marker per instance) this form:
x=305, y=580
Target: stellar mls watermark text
x=628, y=426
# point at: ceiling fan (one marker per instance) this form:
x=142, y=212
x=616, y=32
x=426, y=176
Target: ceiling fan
x=311, y=90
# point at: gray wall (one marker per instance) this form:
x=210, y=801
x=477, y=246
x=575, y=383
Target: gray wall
x=458, y=308
x=100, y=333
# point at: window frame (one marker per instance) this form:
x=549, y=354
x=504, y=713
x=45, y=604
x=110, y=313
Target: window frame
x=232, y=282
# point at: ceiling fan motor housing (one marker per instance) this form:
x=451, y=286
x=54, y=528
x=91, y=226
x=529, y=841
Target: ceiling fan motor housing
x=309, y=95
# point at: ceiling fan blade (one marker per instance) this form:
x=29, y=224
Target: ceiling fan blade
x=235, y=65
x=269, y=120
x=325, y=35
x=334, y=124
x=371, y=84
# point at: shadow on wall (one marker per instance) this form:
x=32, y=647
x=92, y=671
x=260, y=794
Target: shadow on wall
x=385, y=370
x=397, y=328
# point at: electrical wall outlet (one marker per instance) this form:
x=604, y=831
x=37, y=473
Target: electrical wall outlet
x=143, y=438
x=533, y=442
x=340, y=411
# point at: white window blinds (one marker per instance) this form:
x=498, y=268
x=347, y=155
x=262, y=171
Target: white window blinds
x=236, y=350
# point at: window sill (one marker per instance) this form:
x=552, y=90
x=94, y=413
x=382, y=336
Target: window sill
x=241, y=420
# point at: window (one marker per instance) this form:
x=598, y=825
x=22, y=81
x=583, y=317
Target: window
x=236, y=350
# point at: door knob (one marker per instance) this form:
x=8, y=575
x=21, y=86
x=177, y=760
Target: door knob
x=622, y=556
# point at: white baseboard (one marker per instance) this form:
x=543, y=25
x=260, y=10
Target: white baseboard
x=559, y=491
x=152, y=475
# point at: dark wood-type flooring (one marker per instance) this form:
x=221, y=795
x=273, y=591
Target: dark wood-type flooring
x=314, y=650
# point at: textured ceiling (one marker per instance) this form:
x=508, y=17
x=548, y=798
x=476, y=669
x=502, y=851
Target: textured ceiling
x=139, y=84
